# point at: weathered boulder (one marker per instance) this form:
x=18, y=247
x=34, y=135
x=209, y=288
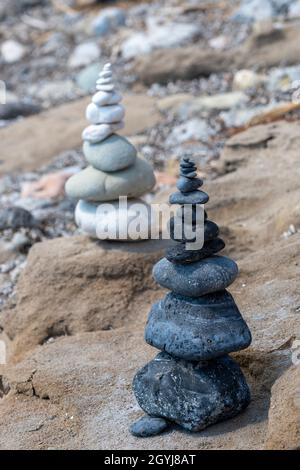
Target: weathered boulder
x=72, y=285
x=284, y=412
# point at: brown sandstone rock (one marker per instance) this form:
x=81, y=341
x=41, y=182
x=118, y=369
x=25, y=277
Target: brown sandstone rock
x=37, y=139
x=72, y=285
x=284, y=413
x=263, y=49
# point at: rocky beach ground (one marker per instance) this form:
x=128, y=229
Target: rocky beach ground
x=217, y=79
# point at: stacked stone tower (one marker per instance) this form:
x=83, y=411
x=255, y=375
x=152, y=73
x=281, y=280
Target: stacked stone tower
x=114, y=168
x=193, y=382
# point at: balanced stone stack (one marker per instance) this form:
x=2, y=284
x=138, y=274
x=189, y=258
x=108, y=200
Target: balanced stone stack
x=114, y=168
x=193, y=382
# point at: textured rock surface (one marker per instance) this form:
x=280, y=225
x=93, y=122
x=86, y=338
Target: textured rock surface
x=75, y=284
x=208, y=275
x=199, y=329
x=37, y=139
x=88, y=375
x=193, y=395
x=193, y=61
x=284, y=413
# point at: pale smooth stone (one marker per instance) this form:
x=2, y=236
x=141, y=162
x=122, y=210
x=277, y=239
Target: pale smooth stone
x=104, y=114
x=104, y=98
x=107, y=66
x=104, y=81
x=105, y=74
x=95, y=185
x=105, y=87
x=98, y=132
x=118, y=220
x=113, y=154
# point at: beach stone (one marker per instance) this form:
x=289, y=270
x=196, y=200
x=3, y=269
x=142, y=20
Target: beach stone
x=97, y=132
x=196, y=279
x=87, y=77
x=104, y=98
x=188, y=173
x=117, y=222
x=179, y=253
x=84, y=54
x=108, y=20
x=148, y=426
x=16, y=217
x=186, y=185
x=194, y=197
x=195, y=129
x=197, y=329
x=214, y=391
x=112, y=154
x=12, y=51
x=211, y=230
x=95, y=185
x=104, y=115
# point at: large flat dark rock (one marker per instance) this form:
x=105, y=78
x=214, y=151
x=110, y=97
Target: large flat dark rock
x=191, y=394
x=197, y=329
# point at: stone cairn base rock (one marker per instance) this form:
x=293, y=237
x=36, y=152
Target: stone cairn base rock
x=114, y=170
x=192, y=382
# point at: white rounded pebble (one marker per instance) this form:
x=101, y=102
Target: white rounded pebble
x=105, y=87
x=103, y=98
x=98, y=132
x=104, y=114
x=114, y=224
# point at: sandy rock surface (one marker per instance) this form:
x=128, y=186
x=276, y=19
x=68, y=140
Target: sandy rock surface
x=37, y=139
x=74, y=391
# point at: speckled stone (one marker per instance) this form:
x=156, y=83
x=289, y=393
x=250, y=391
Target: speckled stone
x=196, y=279
x=112, y=154
x=194, y=197
x=197, y=329
x=178, y=253
x=148, y=426
x=191, y=394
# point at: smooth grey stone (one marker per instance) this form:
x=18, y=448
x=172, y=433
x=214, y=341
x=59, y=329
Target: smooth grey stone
x=15, y=218
x=186, y=185
x=188, y=173
x=95, y=185
x=184, y=164
x=197, y=329
x=196, y=279
x=211, y=230
x=191, y=394
x=148, y=426
x=194, y=197
x=178, y=254
x=112, y=154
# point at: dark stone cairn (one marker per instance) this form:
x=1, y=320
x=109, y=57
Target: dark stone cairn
x=192, y=382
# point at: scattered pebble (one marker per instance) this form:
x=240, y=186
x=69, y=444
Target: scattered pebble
x=148, y=426
x=12, y=51
x=84, y=54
